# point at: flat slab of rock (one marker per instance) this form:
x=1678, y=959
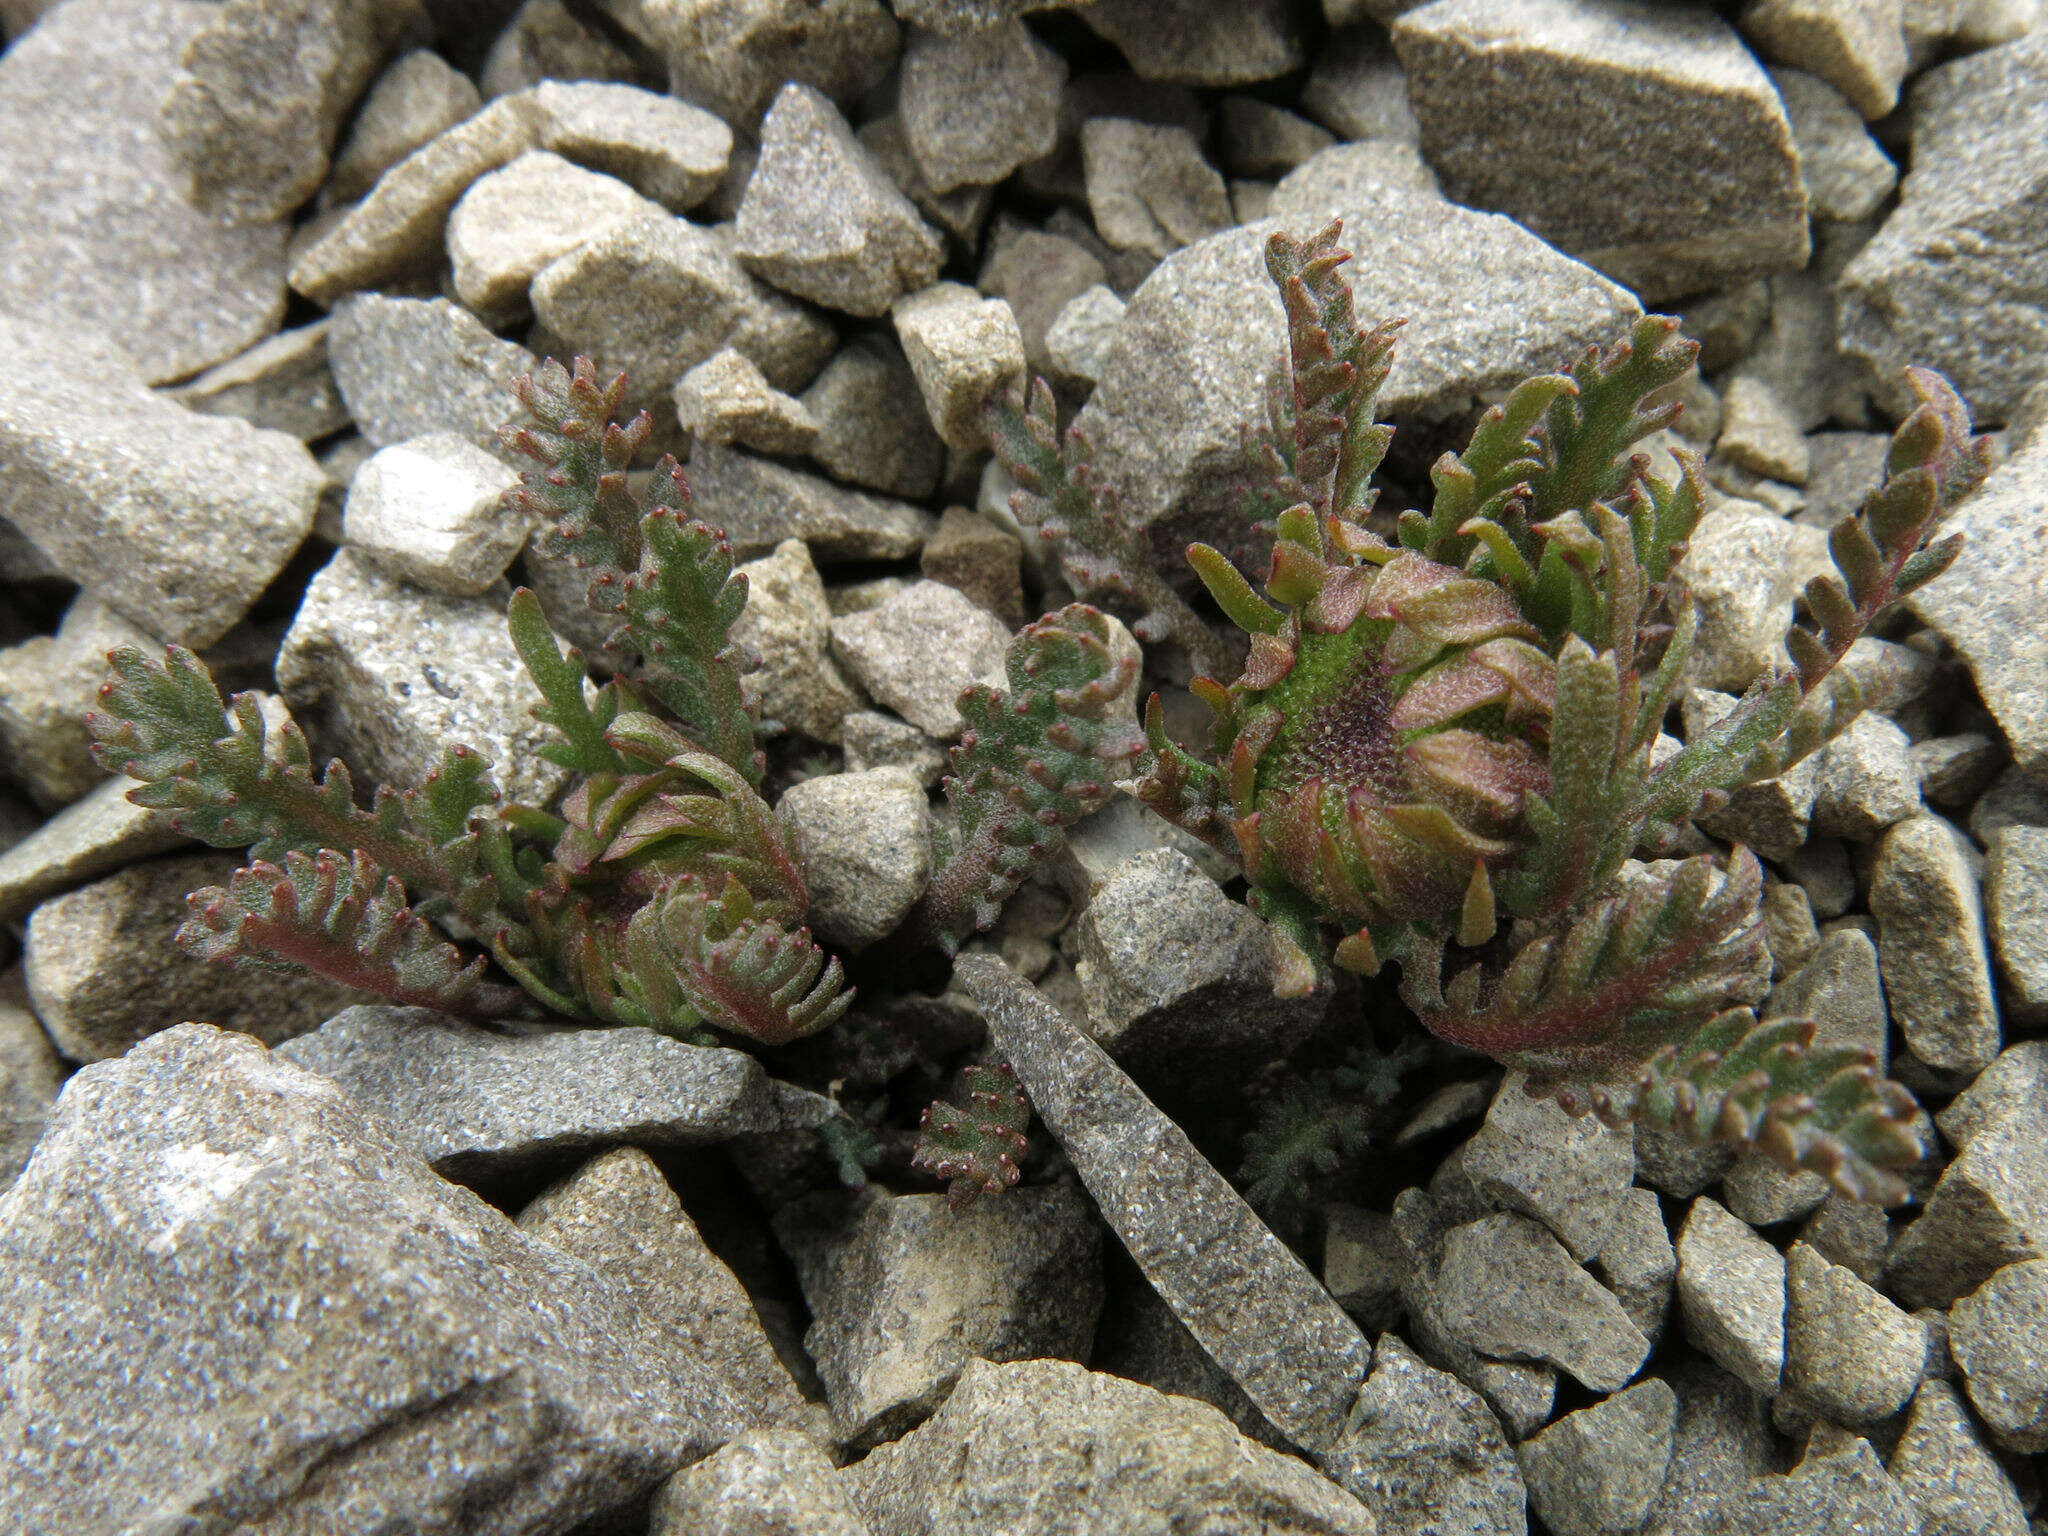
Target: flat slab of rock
x=412, y=367
x=236, y=1297
x=918, y=649
x=1597, y=1471
x=1930, y=945
x=1946, y=1470
x=1041, y=1445
x=1995, y=1334
x=904, y=1291
x=1986, y=604
x=96, y=228
x=759, y=503
x=1572, y=1175
x=1731, y=1293
x=1979, y=175
x=177, y=520
x=1242, y=1293
x=471, y=1100
x=1643, y=139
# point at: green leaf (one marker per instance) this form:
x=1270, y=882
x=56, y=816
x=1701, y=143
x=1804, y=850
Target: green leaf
x=979, y=1149
x=560, y=678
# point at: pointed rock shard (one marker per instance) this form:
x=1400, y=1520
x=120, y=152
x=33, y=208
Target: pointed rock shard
x=1242, y=1293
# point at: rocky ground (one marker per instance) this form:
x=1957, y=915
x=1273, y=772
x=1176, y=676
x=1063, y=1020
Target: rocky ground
x=266, y=270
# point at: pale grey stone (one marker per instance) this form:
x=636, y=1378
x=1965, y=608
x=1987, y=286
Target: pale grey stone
x=1573, y=1175
x=1845, y=468
x=1149, y=187
x=727, y=399
x=1849, y=1352
x=1643, y=139
x=664, y=149
x=1141, y=1340
x=1193, y=351
x=976, y=105
x=2016, y=912
x=378, y=1344
x=410, y=367
x=1425, y=1455
x=1858, y=48
x=1789, y=927
x=1890, y=677
x=516, y=220
x=865, y=851
x=177, y=521
x=1191, y=42
x=430, y=511
x=30, y=1076
x=761, y=1483
x=473, y=1100
x=282, y=383
x=872, y=426
x=1956, y=770
x=1758, y=433
x=1731, y=1295
x=391, y=674
x=548, y=40
x=2014, y=800
x=418, y=96
x=904, y=1291
x=1995, y=1334
x=1851, y=1233
x=618, y=1215
x=1945, y=1469
x=1759, y=1191
x=1596, y=1472
x=1990, y=1208
x=103, y=973
x=396, y=231
x=759, y=504
x=94, y=835
x=1722, y=1440
x=1847, y=174
x=1937, y=969
x=1043, y=1444
x=1100, y=843
x=877, y=740
x=961, y=212
x=1865, y=781
x=787, y=626
x=1040, y=274
x=1985, y=604
x=1638, y=1263
x=47, y=686
x=655, y=297
x=1365, y=1264
x=1847, y=1492
x=963, y=350
x=1978, y=175
x=97, y=231
x=1508, y=1289
x=1747, y=567
x=1263, y=140
x=1347, y=176
x=1838, y=988
x=1078, y=342
x=1241, y=1292
x=971, y=553
x=732, y=56
x=1356, y=88
x=1178, y=978
x=918, y=649
x=822, y=220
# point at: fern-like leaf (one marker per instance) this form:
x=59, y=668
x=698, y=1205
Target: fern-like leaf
x=1031, y=762
x=979, y=1149
x=1767, y=1087
x=340, y=917
x=1072, y=509
x=576, y=487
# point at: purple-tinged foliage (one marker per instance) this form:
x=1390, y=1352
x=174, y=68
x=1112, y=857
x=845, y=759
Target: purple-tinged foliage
x=978, y=1149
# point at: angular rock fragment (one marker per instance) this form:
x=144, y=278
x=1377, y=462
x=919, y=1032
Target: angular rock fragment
x=1759, y=433
x=176, y=520
x=963, y=350
x=1849, y=1491
x=1639, y=1264
x=1357, y=90
x=872, y=425
x=1573, y=1175
x=214, y=1248
x=514, y=221
x=875, y=739
x=917, y=650
x=731, y=56
x=282, y=383
x=2016, y=912
x=1865, y=781
x=1847, y=173
x=1858, y=48
x=1731, y=1294
x=1849, y=1352
x=1262, y=140
x=760, y=503
x=961, y=212
x=46, y=685
x=1508, y=1289
x=662, y=148
x=1937, y=970
x=473, y=1101
x=866, y=853
x=1241, y=1292
x=1747, y=567
x=1194, y=43
x=1995, y=1334
x=30, y=1076
x=1722, y=1440
x=1426, y=1456
x=1979, y=170
x=391, y=675
x=97, y=230
x=1598, y=1470
x=410, y=367
x=618, y=1215
x=418, y=96
x=969, y=552
x=822, y=221
x=1040, y=1444
x=94, y=835
x=546, y=40
x=1078, y=342
x=727, y=399
x=761, y=1483
x=1643, y=139
x=429, y=510
x=1944, y=1468
x=904, y=1291
x=976, y=105
x=1149, y=187
x=788, y=627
